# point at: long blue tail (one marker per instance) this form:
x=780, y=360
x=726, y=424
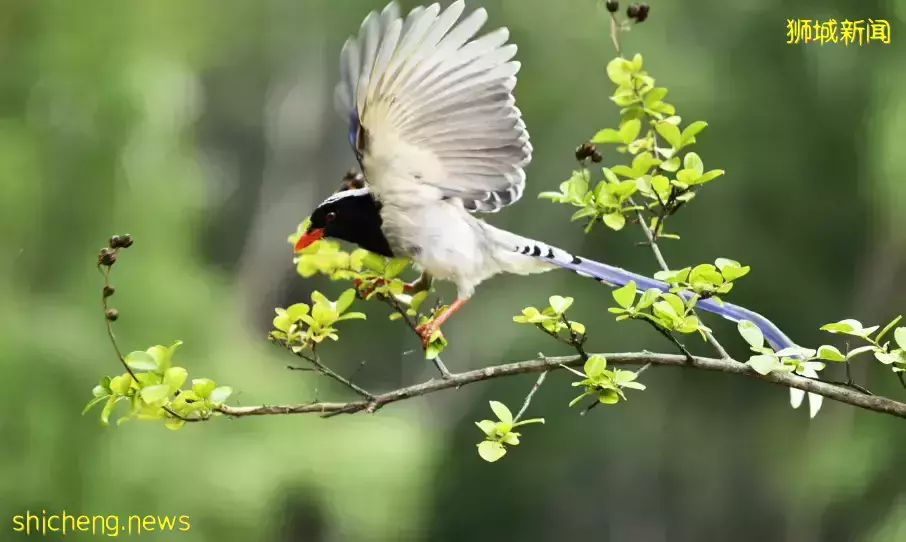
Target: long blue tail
x=614, y=276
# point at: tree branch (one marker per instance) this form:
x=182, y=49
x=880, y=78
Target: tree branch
x=838, y=393
x=531, y=394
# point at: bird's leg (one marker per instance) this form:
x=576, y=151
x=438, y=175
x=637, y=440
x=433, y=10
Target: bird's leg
x=426, y=330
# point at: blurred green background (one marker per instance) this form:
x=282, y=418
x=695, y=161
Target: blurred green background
x=206, y=129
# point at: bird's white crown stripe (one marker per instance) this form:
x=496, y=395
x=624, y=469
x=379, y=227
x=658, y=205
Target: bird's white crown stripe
x=346, y=194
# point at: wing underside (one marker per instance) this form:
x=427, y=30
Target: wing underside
x=426, y=82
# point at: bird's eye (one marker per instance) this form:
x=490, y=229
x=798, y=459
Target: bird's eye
x=330, y=216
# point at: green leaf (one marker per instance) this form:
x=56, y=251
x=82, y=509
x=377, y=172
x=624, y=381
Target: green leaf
x=345, y=300
x=654, y=95
x=671, y=165
x=491, y=451
x=93, y=402
x=763, y=364
x=607, y=135
x=352, y=316
x=202, y=387
x=709, y=176
x=751, y=333
x=625, y=295
x=610, y=175
x=692, y=130
x=317, y=297
x=435, y=346
x=560, y=304
x=636, y=64
x=108, y=408
x=830, y=353
x=595, y=366
x=175, y=377
x=673, y=277
x=630, y=130
x=687, y=177
x=850, y=327
x=860, y=350
x=221, y=394
x=174, y=424
x=141, y=361
x=676, y=302
x=395, y=266
x=707, y=273
x=648, y=298
x=502, y=412
x=488, y=427
x=670, y=133
x=511, y=438
x=619, y=70
x=155, y=393
x=609, y=397
x=120, y=384
x=614, y=221
x=694, y=162
x=900, y=336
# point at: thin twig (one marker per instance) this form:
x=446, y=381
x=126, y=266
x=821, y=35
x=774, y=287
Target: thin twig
x=390, y=300
x=666, y=333
x=614, y=27
x=315, y=360
x=116, y=346
x=835, y=392
x=531, y=393
x=577, y=340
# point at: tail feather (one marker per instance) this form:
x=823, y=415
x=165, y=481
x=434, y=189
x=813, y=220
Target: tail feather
x=614, y=276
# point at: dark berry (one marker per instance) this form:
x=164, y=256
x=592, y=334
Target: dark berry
x=115, y=241
x=612, y=6
x=112, y=314
x=106, y=257
x=596, y=157
x=108, y=291
x=632, y=11
x=643, y=12
x=127, y=241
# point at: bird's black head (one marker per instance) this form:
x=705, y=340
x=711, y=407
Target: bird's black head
x=351, y=215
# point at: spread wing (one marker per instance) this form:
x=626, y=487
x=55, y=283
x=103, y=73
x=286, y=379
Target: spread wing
x=431, y=104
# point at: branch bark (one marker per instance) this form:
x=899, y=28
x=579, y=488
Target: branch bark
x=838, y=393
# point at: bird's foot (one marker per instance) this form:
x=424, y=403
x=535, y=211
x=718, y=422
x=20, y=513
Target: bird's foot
x=426, y=331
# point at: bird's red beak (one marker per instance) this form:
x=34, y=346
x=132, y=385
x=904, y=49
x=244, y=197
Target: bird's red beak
x=308, y=238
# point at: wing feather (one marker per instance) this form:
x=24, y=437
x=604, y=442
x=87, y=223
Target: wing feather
x=436, y=105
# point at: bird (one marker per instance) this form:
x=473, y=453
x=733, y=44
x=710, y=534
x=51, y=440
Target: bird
x=435, y=129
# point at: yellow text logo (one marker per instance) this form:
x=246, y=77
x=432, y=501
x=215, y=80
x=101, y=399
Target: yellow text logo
x=847, y=32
